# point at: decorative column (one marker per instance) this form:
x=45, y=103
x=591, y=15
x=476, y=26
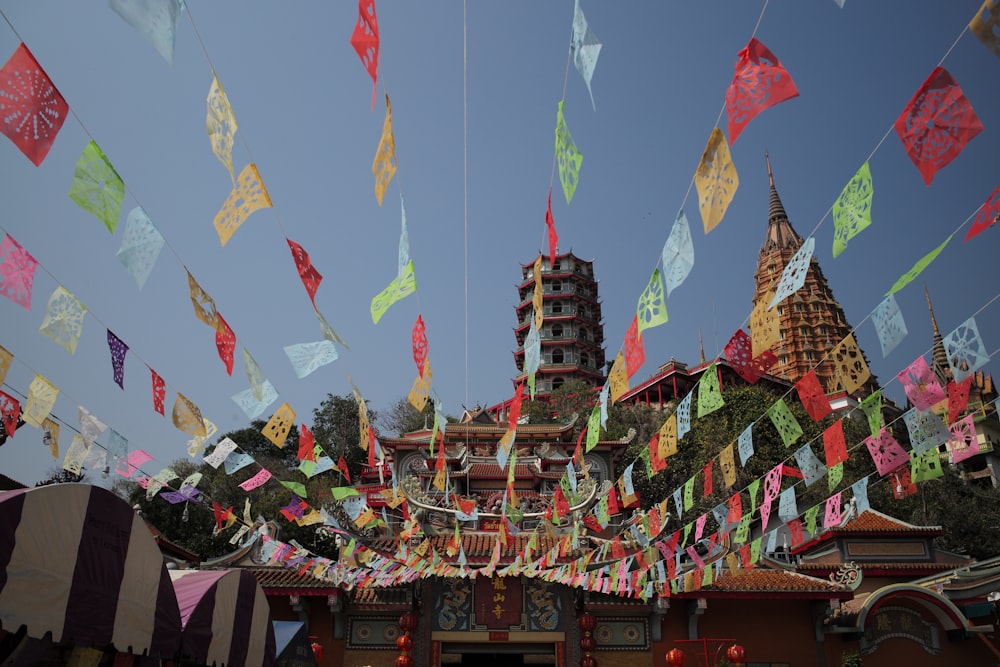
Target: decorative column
x=586, y=622
x=407, y=623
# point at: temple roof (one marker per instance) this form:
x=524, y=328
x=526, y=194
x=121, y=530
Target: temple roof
x=289, y=581
x=766, y=582
x=780, y=234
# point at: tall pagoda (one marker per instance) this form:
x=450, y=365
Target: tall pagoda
x=572, y=334
x=811, y=320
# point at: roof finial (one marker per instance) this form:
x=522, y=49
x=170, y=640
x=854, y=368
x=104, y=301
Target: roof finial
x=770, y=176
x=939, y=356
x=930, y=309
x=701, y=345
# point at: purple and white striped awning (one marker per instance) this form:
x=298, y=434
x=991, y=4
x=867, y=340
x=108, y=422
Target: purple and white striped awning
x=76, y=561
x=225, y=618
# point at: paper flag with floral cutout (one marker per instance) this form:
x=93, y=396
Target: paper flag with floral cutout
x=41, y=398
x=760, y=82
x=537, y=294
x=964, y=441
x=727, y=463
x=958, y=398
x=765, y=326
x=744, y=444
x=852, y=212
x=254, y=374
x=132, y=462
x=247, y=196
x=225, y=342
x=709, y=392
x=831, y=513
x=156, y=20
x=809, y=464
x=63, y=321
x=17, y=272
x=118, y=351
x=307, y=357
x=834, y=444
x=860, y=491
x=187, y=417
x=312, y=468
x=384, y=165
x=365, y=41
x=635, y=350
x=399, y=288
x=117, y=455
x=593, y=428
x=989, y=214
x=835, y=475
x=872, y=407
x=926, y=429
x=311, y=278
x=5, y=358
x=184, y=495
x=307, y=445
x=985, y=25
x=75, y=456
x=918, y=268
x=813, y=397
x=618, y=377
x=794, y=275
x=10, y=412
x=668, y=437
x=550, y=226
x=418, y=338
x=787, y=507
x=222, y=450
x=221, y=124
x=237, y=461
x=716, y=181
x=738, y=353
x=684, y=416
x=652, y=309
x=34, y=111
x=937, y=124
x=889, y=324
x=678, y=253
x=584, y=48
x=532, y=355
x=784, y=421
x=886, y=453
x=159, y=391
x=97, y=187
x=921, y=385
x=925, y=466
x=141, y=246
x=850, y=368
x=257, y=480
x=279, y=425
x=204, y=305
x=327, y=330
x=567, y=155
x=421, y=390
x=965, y=350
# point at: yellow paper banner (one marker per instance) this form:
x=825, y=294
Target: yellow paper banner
x=247, y=196
x=716, y=180
x=278, y=426
x=384, y=165
x=187, y=417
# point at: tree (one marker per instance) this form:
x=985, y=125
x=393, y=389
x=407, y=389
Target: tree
x=402, y=418
x=574, y=397
x=335, y=427
x=63, y=476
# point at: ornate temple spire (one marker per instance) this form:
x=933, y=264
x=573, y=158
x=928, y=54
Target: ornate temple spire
x=779, y=231
x=939, y=358
x=701, y=347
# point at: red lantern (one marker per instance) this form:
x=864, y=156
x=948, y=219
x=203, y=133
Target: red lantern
x=408, y=621
x=317, y=650
x=588, y=661
x=588, y=643
x=404, y=661
x=735, y=653
x=404, y=643
x=675, y=657
x=586, y=622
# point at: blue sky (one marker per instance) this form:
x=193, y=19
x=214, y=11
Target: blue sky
x=302, y=100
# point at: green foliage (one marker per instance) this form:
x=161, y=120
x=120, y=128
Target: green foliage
x=402, y=418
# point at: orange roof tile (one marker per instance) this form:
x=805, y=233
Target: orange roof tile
x=284, y=580
x=876, y=522
x=765, y=581
x=494, y=471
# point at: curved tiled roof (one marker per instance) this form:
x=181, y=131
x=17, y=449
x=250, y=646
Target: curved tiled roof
x=285, y=580
x=494, y=471
x=763, y=582
x=873, y=568
x=375, y=597
x=872, y=521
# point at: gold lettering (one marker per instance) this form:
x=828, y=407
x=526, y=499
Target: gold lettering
x=498, y=611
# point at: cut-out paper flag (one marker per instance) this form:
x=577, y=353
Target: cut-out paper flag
x=75, y=456
x=532, y=354
x=237, y=461
x=937, y=124
x=118, y=351
x=964, y=442
x=852, y=212
x=584, y=48
x=418, y=340
x=398, y=289
x=618, y=377
x=420, y=392
x=958, y=398
x=204, y=305
x=156, y=20
x=926, y=430
x=921, y=264
x=254, y=374
x=404, y=240
x=63, y=321
x=965, y=350
x=652, y=308
x=765, y=326
x=33, y=110
x=812, y=396
x=307, y=357
x=257, y=480
x=17, y=271
x=738, y=353
x=91, y=427
x=684, y=416
x=760, y=82
x=811, y=467
x=985, y=25
x=159, y=391
x=365, y=41
x=989, y=214
x=537, y=293
x=5, y=358
x=872, y=407
x=97, y=187
x=247, y=196
x=925, y=466
x=834, y=444
x=785, y=422
x=41, y=398
x=550, y=226
x=678, y=253
x=744, y=444
x=117, y=454
x=635, y=349
x=10, y=413
x=921, y=385
x=709, y=392
x=850, y=368
x=567, y=155
x=886, y=453
x=141, y=246
x=831, y=513
x=187, y=417
x=716, y=181
x=384, y=164
x=279, y=425
x=225, y=342
x=221, y=451
x=311, y=278
x=328, y=332
x=794, y=275
x=252, y=406
x=889, y=324
x=221, y=124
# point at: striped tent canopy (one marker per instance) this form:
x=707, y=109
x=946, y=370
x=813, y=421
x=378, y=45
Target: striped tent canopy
x=77, y=563
x=225, y=618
